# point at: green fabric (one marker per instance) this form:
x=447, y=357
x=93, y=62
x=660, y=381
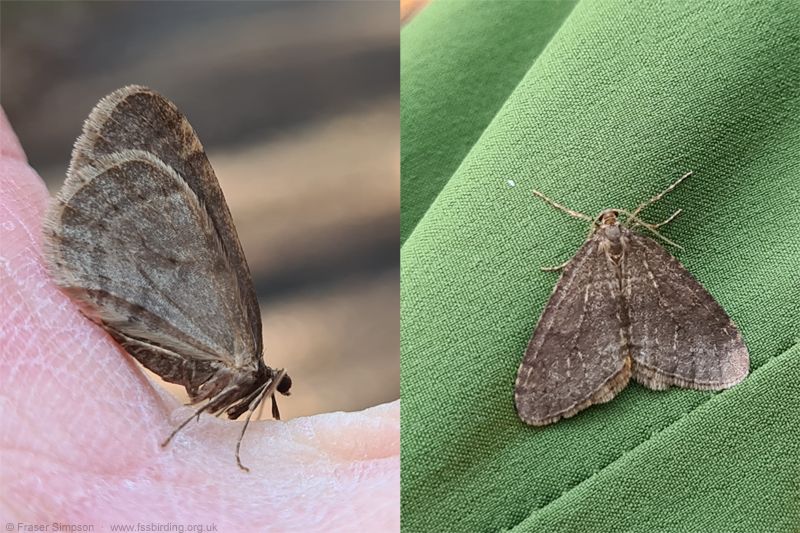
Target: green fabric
x=625, y=98
x=462, y=64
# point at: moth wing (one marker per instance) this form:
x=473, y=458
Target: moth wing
x=104, y=225
x=136, y=118
x=576, y=356
x=679, y=334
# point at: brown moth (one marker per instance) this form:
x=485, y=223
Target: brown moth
x=624, y=308
x=141, y=238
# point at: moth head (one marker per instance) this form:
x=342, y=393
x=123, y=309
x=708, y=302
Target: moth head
x=285, y=385
x=607, y=218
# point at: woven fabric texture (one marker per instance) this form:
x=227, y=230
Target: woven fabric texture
x=470, y=85
x=624, y=99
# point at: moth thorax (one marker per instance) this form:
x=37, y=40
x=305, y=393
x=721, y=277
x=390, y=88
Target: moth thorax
x=613, y=242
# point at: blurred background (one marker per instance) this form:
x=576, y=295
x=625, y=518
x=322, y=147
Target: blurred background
x=410, y=9
x=297, y=106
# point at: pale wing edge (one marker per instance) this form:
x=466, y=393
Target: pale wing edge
x=604, y=394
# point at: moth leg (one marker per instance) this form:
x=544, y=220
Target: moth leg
x=676, y=213
x=640, y=223
x=188, y=383
x=196, y=413
x=571, y=212
x=661, y=195
x=269, y=390
x=559, y=267
x=652, y=228
x=258, y=401
x=561, y=207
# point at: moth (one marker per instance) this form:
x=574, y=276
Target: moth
x=624, y=308
x=141, y=238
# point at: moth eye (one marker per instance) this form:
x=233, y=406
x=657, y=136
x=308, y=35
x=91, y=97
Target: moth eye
x=285, y=384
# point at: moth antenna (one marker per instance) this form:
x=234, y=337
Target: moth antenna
x=261, y=409
x=573, y=213
x=269, y=390
x=561, y=207
x=594, y=228
x=661, y=195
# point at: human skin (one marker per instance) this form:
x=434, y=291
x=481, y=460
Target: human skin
x=81, y=425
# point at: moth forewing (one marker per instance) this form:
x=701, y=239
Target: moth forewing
x=624, y=307
x=141, y=237
x=576, y=356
